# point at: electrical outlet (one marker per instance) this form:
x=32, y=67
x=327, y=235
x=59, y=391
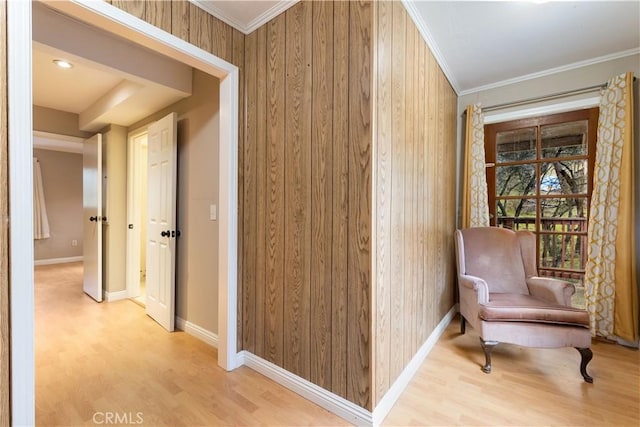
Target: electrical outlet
x=74, y=243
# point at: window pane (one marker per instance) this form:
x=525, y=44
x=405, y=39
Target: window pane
x=565, y=139
x=516, y=180
x=568, y=215
x=564, y=177
x=516, y=145
x=517, y=214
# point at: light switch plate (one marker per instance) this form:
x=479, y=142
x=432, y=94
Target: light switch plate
x=213, y=212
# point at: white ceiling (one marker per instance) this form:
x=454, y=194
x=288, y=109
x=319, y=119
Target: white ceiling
x=112, y=81
x=490, y=43
x=479, y=44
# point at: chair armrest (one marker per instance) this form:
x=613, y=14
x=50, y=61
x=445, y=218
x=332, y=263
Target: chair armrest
x=552, y=290
x=476, y=284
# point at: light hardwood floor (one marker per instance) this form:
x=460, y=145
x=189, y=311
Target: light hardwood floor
x=111, y=357
x=527, y=386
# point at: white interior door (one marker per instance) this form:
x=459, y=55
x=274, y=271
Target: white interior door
x=92, y=216
x=161, y=221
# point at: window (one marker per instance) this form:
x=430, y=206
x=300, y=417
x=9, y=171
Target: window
x=539, y=178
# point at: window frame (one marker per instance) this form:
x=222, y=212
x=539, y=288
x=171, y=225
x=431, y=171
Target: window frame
x=491, y=131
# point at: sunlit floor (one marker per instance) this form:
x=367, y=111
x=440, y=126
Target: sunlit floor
x=142, y=298
x=95, y=359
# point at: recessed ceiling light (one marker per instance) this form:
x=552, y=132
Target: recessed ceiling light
x=62, y=63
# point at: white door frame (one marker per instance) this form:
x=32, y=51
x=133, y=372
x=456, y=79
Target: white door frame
x=132, y=264
x=112, y=19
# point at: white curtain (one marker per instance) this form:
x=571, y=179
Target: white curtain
x=40, y=220
x=475, y=202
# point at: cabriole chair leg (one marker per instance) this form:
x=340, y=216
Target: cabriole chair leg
x=586, y=356
x=488, y=347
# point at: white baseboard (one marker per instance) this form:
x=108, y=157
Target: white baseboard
x=114, y=296
x=50, y=261
x=197, y=331
x=338, y=405
x=394, y=392
x=329, y=401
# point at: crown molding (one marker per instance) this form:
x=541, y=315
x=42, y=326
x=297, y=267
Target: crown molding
x=254, y=24
x=409, y=5
x=552, y=71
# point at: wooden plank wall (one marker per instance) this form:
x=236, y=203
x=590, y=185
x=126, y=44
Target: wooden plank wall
x=5, y=386
x=415, y=193
x=307, y=195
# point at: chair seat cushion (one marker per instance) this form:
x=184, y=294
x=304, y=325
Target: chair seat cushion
x=527, y=308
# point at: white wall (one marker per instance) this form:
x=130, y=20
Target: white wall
x=62, y=182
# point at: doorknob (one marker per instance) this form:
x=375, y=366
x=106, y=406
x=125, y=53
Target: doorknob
x=93, y=218
x=165, y=233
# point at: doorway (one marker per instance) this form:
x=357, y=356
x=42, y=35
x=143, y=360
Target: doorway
x=137, y=188
x=113, y=20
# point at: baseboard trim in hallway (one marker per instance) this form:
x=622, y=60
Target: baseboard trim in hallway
x=51, y=261
x=338, y=405
x=383, y=408
x=323, y=398
x=197, y=331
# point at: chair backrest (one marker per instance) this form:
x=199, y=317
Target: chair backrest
x=496, y=255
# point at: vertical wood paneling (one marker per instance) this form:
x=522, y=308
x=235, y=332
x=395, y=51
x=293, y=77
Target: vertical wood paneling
x=222, y=39
x=441, y=171
x=360, y=137
x=298, y=189
x=158, y=13
x=261, y=186
x=416, y=131
x=5, y=384
x=383, y=195
x=180, y=21
x=408, y=292
x=274, y=340
x=432, y=183
x=238, y=59
x=340, y=199
x=250, y=207
x=200, y=28
x=132, y=7
x=397, y=191
x=321, y=187
x=421, y=202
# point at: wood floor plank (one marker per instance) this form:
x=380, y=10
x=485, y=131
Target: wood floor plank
x=527, y=386
x=111, y=357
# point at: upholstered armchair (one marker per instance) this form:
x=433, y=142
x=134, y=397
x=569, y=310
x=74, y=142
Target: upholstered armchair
x=502, y=297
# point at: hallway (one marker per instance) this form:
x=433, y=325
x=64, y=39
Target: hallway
x=93, y=359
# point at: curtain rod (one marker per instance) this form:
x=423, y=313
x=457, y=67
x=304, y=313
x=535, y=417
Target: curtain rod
x=547, y=97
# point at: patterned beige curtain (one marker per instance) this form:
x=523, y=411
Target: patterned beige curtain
x=610, y=277
x=475, y=204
